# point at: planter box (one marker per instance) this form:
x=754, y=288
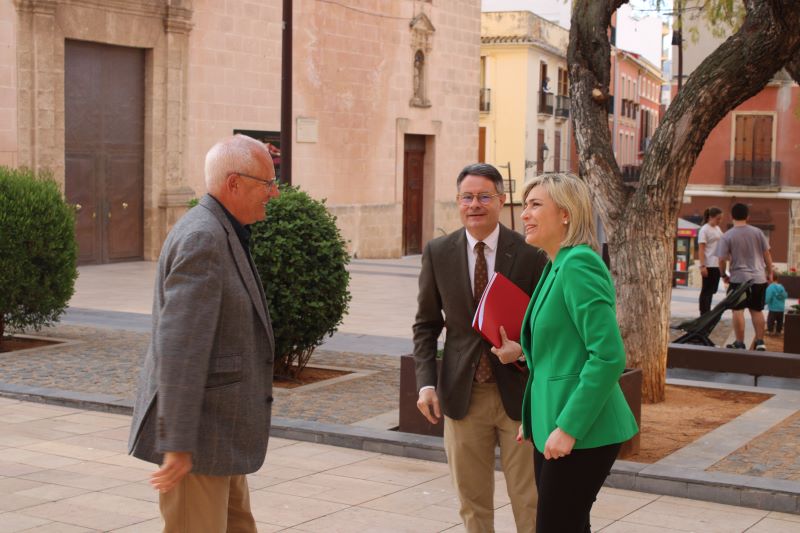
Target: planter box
x=412, y=421
x=631, y=384
x=791, y=284
x=791, y=333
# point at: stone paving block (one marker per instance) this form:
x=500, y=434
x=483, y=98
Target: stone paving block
x=139, y=491
x=288, y=511
x=445, y=512
x=17, y=502
x=436, y=455
x=779, y=383
x=661, y=486
x=770, y=525
x=386, y=448
x=762, y=499
x=48, y=492
x=684, y=515
x=147, y=526
x=13, y=522
x=81, y=516
x=10, y=485
x=41, y=460
x=621, y=481
x=785, y=516
x=112, y=503
x=614, y=505
x=712, y=493
x=72, y=479
x=61, y=527
x=360, y=519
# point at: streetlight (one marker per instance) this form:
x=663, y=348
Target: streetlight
x=544, y=149
x=512, y=186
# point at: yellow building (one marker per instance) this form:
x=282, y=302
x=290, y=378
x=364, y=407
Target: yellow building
x=524, y=100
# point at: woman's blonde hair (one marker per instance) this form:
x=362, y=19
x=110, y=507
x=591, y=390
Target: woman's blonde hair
x=570, y=193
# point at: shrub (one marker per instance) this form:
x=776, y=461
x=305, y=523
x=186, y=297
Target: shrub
x=301, y=258
x=37, y=250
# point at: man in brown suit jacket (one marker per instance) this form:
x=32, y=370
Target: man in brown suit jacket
x=480, y=397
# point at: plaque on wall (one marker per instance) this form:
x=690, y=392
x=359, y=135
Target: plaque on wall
x=307, y=130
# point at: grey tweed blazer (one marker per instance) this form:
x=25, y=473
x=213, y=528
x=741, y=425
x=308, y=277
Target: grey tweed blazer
x=206, y=383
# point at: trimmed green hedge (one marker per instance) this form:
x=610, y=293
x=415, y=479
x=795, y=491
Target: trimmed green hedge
x=301, y=258
x=38, y=252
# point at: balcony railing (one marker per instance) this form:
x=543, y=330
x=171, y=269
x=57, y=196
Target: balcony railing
x=753, y=173
x=485, y=101
x=631, y=173
x=546, y=100
x=562, y=106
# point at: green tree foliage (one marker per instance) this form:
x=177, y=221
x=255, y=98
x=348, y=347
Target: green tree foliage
x=38, y=252
x=301, y=258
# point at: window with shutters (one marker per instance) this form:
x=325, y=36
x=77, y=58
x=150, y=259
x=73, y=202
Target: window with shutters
x=752, y=163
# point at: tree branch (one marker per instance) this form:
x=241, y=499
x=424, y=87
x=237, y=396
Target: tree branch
x=737, y=70
x=793, y=67
x=588, y=58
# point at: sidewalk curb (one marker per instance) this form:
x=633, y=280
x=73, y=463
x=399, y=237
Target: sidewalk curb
x=760, y=493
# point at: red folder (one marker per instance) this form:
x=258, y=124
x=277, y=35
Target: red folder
x=502, y=304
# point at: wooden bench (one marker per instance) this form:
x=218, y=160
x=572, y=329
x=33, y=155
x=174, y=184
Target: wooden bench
x=754, y=363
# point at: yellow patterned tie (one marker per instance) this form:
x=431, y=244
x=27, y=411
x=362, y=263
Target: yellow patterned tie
x=484, y=372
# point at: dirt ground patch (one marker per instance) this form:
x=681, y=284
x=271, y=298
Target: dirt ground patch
x=687, y=414
x=12, y=344
x=309, y=375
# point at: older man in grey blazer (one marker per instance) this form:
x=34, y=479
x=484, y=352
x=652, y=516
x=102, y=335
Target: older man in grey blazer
x=203, y=407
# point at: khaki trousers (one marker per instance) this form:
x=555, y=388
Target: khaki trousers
x=208, y=504
x=470, y=445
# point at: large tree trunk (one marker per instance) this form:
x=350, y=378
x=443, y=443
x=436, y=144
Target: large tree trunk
x=640, y=220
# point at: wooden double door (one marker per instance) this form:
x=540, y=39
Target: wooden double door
x=104, y=143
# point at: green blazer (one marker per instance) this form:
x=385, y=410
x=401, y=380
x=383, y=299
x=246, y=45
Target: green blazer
x=575, y=355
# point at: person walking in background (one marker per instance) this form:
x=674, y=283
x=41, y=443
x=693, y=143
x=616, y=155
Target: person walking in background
x=481, y=399
x=775, y=299
x=708, y=238
x=203, y=406
x=573, y=409
x=748, y=250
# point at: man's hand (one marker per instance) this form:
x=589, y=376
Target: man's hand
x=558, y=444
x=509, y=351
x=704, y=271
x=428, y=405
x=175, y=466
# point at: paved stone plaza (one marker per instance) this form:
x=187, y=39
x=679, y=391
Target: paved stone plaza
x=65, y=469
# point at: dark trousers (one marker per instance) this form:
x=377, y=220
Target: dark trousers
x=710, y=286
x=775, y=321
x=568, y=487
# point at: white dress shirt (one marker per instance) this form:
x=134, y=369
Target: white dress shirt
x=489, y=251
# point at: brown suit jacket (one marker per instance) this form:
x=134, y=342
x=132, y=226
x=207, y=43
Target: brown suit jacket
x=445, y=291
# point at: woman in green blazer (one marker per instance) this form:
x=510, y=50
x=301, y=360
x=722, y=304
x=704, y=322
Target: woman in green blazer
x=573, y=408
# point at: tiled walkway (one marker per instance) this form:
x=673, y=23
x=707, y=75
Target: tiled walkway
x=65, y=470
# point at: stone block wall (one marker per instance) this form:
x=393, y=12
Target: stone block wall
x=8, y=85
x=354, y=75
x=234, y=75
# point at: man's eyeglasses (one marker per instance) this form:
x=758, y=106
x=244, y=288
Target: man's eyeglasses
x=267, y=183
x=484, y=197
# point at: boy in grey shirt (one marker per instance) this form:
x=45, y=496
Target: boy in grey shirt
x=748, y=250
